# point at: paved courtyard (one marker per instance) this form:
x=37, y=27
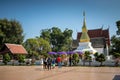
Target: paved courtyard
x=64, y=73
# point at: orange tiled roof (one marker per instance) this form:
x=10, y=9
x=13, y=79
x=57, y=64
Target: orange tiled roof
x=14, y=49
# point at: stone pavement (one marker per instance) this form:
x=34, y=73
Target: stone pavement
x=64, y=73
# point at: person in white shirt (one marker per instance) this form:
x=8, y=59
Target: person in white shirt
x=41, y=62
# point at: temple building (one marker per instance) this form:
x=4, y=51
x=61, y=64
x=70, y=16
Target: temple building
x=99, y=39
x=84, y=40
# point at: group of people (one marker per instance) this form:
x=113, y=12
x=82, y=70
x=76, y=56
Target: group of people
x=50, y=63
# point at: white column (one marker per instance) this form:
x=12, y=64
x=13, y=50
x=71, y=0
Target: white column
x=107, y=51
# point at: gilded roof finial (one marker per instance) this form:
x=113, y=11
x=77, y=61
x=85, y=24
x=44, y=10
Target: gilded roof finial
x=84, y=37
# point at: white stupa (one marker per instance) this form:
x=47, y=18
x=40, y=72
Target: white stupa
x=85, y=44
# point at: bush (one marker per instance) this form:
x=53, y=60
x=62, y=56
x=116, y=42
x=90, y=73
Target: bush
x=75, y=59
x=21, y=58
x=6, y=58
x=100, y=58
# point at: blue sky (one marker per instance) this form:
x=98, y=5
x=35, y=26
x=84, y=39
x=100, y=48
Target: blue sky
x=35, y=15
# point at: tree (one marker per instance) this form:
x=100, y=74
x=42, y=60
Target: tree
x=6, y=58
x=75, y=59
x=96, y=54
x=31, y=46
x=37, y=46
x=68, y=39
x=87, y=57
x=115, y=44
x=10, y=32
x=90, y=60
x=60, y=41
x=21, y=58
x=115, y=41
x=44, y=47
x=100, y=58
x=45, y=34
x=56, y=39
x=117, y=58
x=118, y=26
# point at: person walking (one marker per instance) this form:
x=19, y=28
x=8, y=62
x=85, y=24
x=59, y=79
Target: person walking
x=70, y=61
x=59, y=61
x=41, y=62
x=49, y=61
x=53, y=63
x=45, y=62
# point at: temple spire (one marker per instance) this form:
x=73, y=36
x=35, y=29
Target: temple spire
x=84, y=22
x=84, y=13
x=84, y=37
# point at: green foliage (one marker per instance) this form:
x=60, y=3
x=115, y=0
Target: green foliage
x=37, y=46
x=31, y=46
x=45, y=34
x=96, y=54
x=115, y=47
x=6, y=58
x=56, y=38
x=87, y=57
x=10, y=32
x=75, y=59
x=115, y=41
x=100, y=58
x=1, y=57
x=117, y=58
x=118, y=27
x=116, y=55
x=60, y=41
x=44, y=47
x=21, y=58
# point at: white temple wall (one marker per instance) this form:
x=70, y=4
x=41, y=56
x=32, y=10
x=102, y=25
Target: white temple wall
x=100, y=50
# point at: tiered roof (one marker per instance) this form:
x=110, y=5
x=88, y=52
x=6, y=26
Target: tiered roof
x=95, y=33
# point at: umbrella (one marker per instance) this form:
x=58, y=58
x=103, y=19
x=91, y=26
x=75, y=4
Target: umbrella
x=79, y=52
x=52, y=53
x=62, y=52
x=70, y=52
